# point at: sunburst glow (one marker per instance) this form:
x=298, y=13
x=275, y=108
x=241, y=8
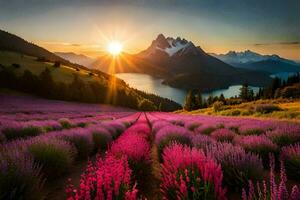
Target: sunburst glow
x=115, y=48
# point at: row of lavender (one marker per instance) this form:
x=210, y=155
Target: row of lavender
x=11, y=104
x=118, y=174
x=195, y=165
x=11, y=129
x=24, y=116
x=25, y=164
x=199, y=153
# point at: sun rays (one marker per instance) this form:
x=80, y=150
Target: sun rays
x=115, y=60
x=115, y=48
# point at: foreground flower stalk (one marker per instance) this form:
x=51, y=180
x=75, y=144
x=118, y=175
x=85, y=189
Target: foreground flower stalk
x=188, y=174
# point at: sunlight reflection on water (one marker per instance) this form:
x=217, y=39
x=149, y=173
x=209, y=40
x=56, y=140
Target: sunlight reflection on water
x=153, y=85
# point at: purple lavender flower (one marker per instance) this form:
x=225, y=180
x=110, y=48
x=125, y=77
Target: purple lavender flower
x=192, y=125
x=223, y=135
x=206, y=129
x=101, y=137
x=285, y=134
x=157, y=125
x=290, y=156
x=260, y=145
x=115, y=128
x=201, y=141
x=170, y=134
x=81, y=139
x=238, y=166
x=19, y=176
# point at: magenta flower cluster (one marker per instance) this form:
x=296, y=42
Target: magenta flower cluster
x=133, y=144
x=272, y=190
x=188, y=174
x=172, y=131
x=256, y=143
x=107, y=179
x=223, y=135
x=46, y=151
x=285, y=134
x=290, y=156
x=193, y=156
x=111, y=177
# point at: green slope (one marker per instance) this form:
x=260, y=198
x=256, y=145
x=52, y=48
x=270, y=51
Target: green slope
x=63, y=73
x=18, y=63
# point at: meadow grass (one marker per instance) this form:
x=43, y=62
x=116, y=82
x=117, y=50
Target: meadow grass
x=60, y=74
x=286, y=109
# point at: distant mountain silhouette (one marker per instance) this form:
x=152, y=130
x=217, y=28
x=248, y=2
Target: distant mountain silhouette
x=184, y=65
x=127, y=63
x=270, y=66
x=76, y=58
x=254, y=61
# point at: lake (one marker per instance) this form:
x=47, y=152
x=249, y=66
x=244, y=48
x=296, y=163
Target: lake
x=153, y=85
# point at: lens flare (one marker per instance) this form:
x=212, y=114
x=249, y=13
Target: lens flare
x=114, y=48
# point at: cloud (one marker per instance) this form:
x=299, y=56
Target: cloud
x=75, y=45
x=61, y=43
x=278, y=43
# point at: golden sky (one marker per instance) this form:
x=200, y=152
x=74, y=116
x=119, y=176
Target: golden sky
x=264, y=26
x=95, y=50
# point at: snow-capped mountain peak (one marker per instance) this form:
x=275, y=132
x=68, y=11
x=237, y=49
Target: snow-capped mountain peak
x=172, y=46
x=175, y=46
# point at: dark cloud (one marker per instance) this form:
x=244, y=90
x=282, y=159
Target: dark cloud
x=75, y=45
x=278, y=43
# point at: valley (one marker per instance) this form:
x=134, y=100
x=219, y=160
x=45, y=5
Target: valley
x=154, y=85
x=182, y=65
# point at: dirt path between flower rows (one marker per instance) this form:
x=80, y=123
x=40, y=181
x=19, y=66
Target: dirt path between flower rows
x=152, y=177
x=148, y=182
x=55, y=189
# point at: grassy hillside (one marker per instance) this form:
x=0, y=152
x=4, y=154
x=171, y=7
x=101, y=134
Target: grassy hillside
x=96, y=84
x=63, y=73
x=279, y=109
x=14, y=43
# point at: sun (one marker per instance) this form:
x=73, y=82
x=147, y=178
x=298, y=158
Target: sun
x=115, y=48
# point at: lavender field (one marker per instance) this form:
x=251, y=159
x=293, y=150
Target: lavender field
x=142, y=155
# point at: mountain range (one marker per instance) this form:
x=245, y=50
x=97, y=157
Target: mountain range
x=181, y=64
x=254, y=61
x=177, y=61
x=76, y=58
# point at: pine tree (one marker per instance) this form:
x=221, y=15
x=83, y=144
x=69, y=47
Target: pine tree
x=251, y=95
x=47, y=84
x=222, y=98
x=244, y=92
x=210, y=100
x=259, y=94
x=189, y=101
x=198, y=101
x=28, y=82
x=276, y=83
x=204, y=103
